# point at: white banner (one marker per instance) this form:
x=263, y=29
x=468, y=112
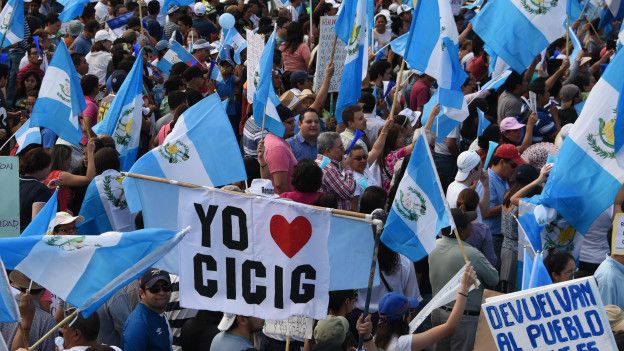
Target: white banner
x=326, y=41
x=297, y=327
x=255, y=45
x=567, y=316
x=254, y=256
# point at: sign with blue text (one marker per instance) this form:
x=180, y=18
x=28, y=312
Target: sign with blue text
x=567, y=316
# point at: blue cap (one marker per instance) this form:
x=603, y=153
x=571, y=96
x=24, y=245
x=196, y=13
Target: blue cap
x=162, y=45
x=394, y=305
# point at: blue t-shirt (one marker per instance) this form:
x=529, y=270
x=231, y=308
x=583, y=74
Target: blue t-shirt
x=545, y=126
x=230, y=342
x=81, y=45
x=146, y=330
x=498, y=188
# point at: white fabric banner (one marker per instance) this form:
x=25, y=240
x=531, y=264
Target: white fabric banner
x=254, y=256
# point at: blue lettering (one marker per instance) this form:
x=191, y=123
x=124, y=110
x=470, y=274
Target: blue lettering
x=549, y=339
x=565, y=348
x=533, y=331
x=557, y=327
x=542, y=305
x=579, y=327
x=504, y=314
x=494, y=317
x=536, y=311
x=563, y=298
x=577, y=296
x=553, y=309
x=568, y=325
x=517, y=312
x=595, y=324
x=589, y=294
x=506, y=342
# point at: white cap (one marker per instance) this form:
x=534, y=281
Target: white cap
x=466, y=162
x=393, y=7
x=199, y=9
x=226, y=322
x=402, y=8
x=64, y=218
x=262, y=187
x=102, y=35
x=333, y=3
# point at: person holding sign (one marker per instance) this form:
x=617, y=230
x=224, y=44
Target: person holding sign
x=393, y=322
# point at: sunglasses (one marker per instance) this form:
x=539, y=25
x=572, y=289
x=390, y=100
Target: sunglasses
x=360, y=158
x=158, y=288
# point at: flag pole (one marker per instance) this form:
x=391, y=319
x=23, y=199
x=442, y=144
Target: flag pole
x=287, y=343
x=9, y=139
x=53, y=330
x=584, y=8
x=396, y=89
x=140, y=2
x=568, y=36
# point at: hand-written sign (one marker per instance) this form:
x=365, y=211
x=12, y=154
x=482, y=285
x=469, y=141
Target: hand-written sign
x=254, y=256
x=9, y=188
x=255, y=45
x=326, y=42
x=567, y=316
x=297, y=327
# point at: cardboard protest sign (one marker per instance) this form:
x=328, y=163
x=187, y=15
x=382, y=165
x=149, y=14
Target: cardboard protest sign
x=254, y=256
x=296, y=327
x=326, y=42
x=9, y=188
x=567, y=316
x=617, y=236
x=483, y=338
x=255, y=45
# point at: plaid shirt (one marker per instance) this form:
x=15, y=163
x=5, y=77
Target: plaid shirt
x=337, y=181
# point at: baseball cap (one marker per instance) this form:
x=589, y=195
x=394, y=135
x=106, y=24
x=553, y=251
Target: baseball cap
x=466, y=162
x=201, y=44
x=62, y=218
x=333, y=3
x=117, y=78
x=402, y=8
x=162, y=45
x=509, y=152
x=74, y=28
x=393, y=7
x=152, y=276
x=394, y=305
x=615, y=315
x=568, y=92
x=199, y=9
x=524, y=174
x=102, y=35
x=226, y=321
x=298, y=77
x=332, y=330
x=173, y=9
x=510, y=123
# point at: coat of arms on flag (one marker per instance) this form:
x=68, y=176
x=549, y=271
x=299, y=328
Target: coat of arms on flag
x=175, y=152
x=603, y=143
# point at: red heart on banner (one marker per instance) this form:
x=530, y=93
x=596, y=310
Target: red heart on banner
x=290, y=237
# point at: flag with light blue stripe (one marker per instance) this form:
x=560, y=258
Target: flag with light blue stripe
x=447, y=120
x=60, y=98
x=40, y=225
x=352, y=29
x=124, y=118
x=539, y=273
x=232, y=40
x=104, y=207
x=432, y=48
x=419, y=210
x=176, y=53
x=27, y=135
x=201, y=149
x=576, y=44
x=265, y=101
x=527, y=268
x=85, y=270
x=9, y=312
x=168, y=3
x=589, y=150
x=483, y=123
x=517, y=30
x=12, y=26
x=616, y=8
x=72, y=9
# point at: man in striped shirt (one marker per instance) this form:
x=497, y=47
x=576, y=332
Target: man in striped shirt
x=337, y=179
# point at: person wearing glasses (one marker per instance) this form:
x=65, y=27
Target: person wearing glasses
x=65, y=224
x=561, y=266
x=146, y=327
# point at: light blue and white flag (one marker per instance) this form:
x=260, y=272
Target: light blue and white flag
x=483, y=123
x=576, y=44
x=352, y=29
x=12, y=23
x=85, y=270
x=616, y=7
x=27, y=135
x=618, y=129
x=527, y=269
x=447, y=120
x=589, y=150
x=176, y=53
x=496, y=82
x=72, y=9
x=620, y=38
x=124, y=118
x=432, y=48
x=118, y=24
x=419, y=210
x=265, y=101
x=40, y=225
x=201, y=149
x=104, y=207
x=60, y=98
x=231, y=39
x=518, y=30
x=539, y=273
x=9, y=312
x=168, y=3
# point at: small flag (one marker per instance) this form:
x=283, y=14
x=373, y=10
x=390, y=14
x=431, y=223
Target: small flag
x=27, y=135
x=12, y=16
x=483, y=123
x=176, y=53
x=104, y=207
x=40, y=225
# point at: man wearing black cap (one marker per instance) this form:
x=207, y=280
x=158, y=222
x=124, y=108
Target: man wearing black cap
x=147, y=327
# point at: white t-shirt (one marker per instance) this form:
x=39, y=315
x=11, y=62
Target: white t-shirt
x=382, y=39
x=402, y=343
x=441, y=148
x=293, y=13
x=595, y=246
x=98, y=64
x=452, y=194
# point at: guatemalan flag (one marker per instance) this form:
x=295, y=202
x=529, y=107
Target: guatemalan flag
x=432, y=48
x=616, y=7
x=27, y=135
x=590, y=150
x=104, y=207
x=519, y=30
x=352, y=29
x=448, y=118
x=232, y=39
x=12, y=23
x=419, y=210
x=176, y=53
x=124, y=118
x=40, y=225
x=9, y=312
x=60, y=98
x=169, y=3
x=72, y=9
x=201, y=149
x=265, y=101
x=85, y=270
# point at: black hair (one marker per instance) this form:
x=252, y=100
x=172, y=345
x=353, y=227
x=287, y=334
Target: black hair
x=556, y=261
x=327, y=200
x=294, y=36
x=513, y=81
x=338, y=297
x=59, y=154
x=88, y=327
x=374, y=197
x=368, y=102
x=192, y=72
x=174, y=83
x=176, y=98
x=153, y=7
x=538, y=86
x=490, y=133
x=133, y=22
x=106, y=158
x=92, y=26
x=51, y=18
x=378, y=68
x=186, y=20
x=34, y=160
x=178, y=68
x=307, y=176
x=89, y=84
x=4, y=70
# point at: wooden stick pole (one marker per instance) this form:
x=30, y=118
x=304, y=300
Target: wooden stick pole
x=568, y=36
x=53, y=330
x=461, y=245
x=287, y=348
x=7, y=141
x=396, y=89
x=140, y=2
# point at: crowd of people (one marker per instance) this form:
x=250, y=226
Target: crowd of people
x=354, y=165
